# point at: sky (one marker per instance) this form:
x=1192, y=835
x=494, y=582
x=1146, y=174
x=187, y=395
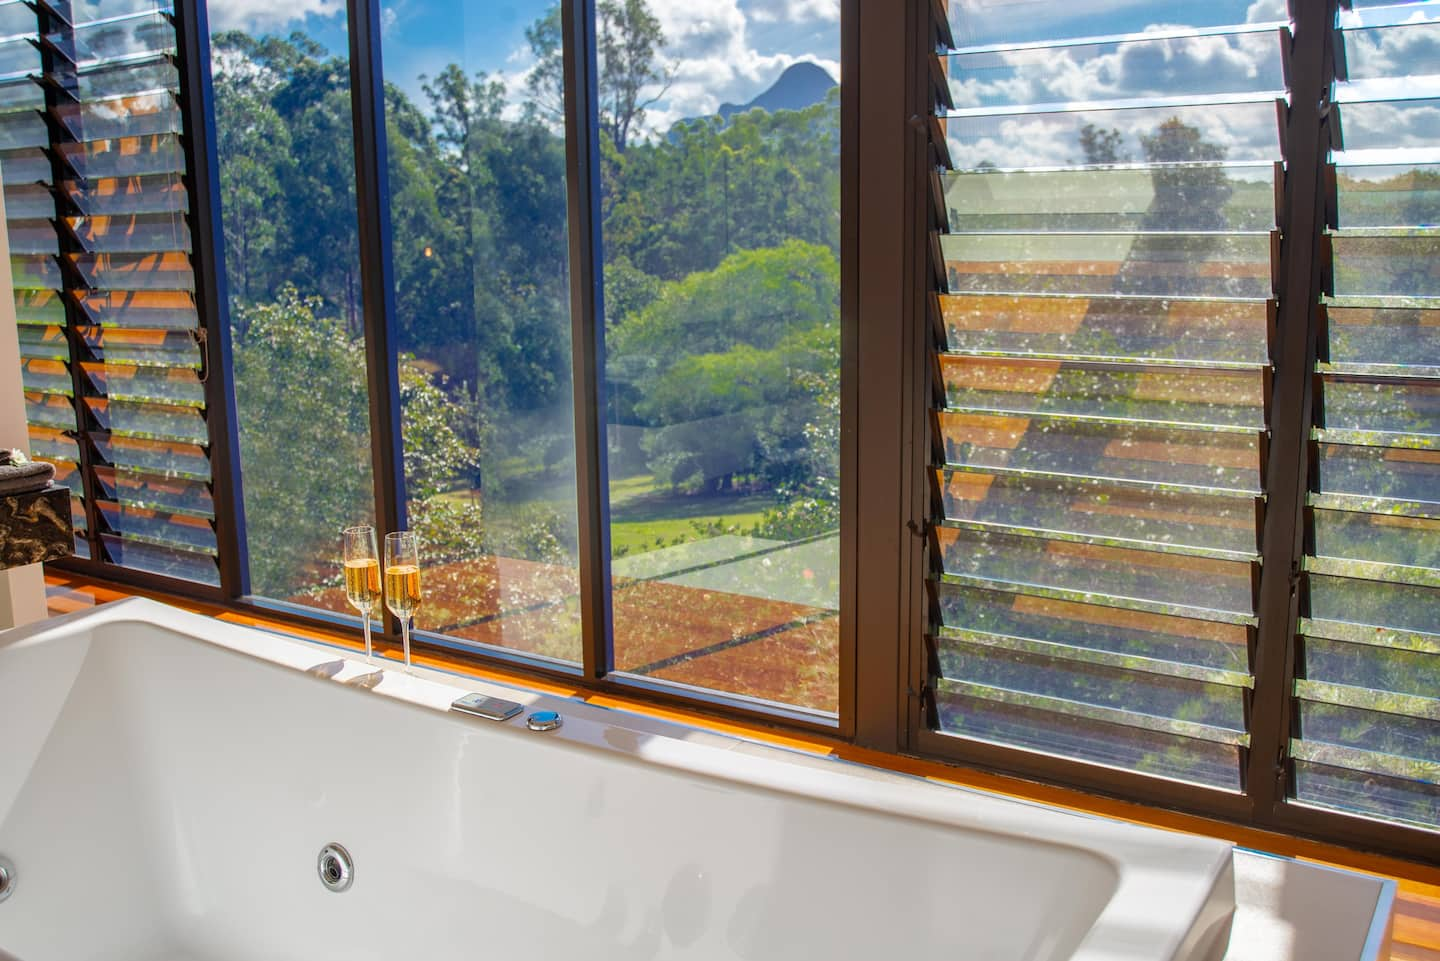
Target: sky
x=731, y=50
x=717, y=50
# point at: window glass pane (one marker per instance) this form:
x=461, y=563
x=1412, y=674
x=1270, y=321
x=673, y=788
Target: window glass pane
x=476, y=144
x=287, y=197
x=722, y=326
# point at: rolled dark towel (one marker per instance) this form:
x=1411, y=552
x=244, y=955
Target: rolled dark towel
x=20, y=475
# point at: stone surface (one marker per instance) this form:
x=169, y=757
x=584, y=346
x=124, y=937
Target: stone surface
x=35, y=527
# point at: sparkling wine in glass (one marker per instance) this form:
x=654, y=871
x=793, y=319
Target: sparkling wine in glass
x=402, y=581
x=362, y=577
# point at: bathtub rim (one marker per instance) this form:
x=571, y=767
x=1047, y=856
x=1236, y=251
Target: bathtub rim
x=1142, y=859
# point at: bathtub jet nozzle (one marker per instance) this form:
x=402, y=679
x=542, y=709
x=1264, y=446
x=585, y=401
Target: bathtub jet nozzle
x=7, y=878
x=336, y=869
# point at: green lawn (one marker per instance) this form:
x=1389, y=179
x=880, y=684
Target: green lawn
x=644, y=516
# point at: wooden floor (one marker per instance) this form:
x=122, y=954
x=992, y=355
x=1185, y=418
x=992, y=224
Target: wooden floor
x=1416, y=935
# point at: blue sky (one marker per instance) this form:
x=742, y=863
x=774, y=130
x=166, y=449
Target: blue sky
x=719, y=50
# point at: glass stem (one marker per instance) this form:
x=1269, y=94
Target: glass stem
x=369, y=649
x=405, y=636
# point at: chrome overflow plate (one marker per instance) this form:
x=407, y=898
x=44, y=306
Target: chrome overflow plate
x=336, y=869
x=7, y=878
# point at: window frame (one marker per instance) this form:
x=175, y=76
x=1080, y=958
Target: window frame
x=887, y=383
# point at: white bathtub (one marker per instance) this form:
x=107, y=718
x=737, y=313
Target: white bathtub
x=167, y=781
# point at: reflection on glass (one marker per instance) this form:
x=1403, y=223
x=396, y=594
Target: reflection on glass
x=479, y=247
x=287, y=198
x=721, y=273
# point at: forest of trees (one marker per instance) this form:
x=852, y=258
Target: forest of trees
x=721, y=241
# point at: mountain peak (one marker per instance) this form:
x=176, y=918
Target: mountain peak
x=802, y=84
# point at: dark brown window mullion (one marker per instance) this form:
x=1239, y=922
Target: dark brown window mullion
x=884, y=267
x=587, y=307
x=202, y=183
x=1310, y=67
x=377, y=288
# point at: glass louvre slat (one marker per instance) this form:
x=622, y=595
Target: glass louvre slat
x=1084, y=710
x=1089, y=655
x=32, y=272
x=159, y=310
x=1018, y=77
x=155, y=457
x=178, y=387
x=28, y=202
x=39, y=307
x=22, y=130
x=1373, y=636
x=32, y=237
x=137, y=115
x=1053, y=140
x=25, y=166
x=1207, y=398
x=164, y=560
x=51, y=445
x=129, y=196
x=1188, y=264
x=1014, y=23
x=149, y=421
x=1206, y=645
x=116, y=36
x=1179, y=329
x=1127, y=198
x=1395, y=475
x=43, y=343
x=1384, y=126
x=1394, y=266
x=1185, y=522
x=1410, y=741
x=1184, y=461
x=141, y=233
x=121, y=347
x=49, y=410
x=1380, y=336
x=19, y=57
x=1358, y=791
x=1357, y=601
x=1388, y=195
x=93, y=11
x=1415, y=673
x=140, y=272
x=1377, y=538
x=179, y=531
x=155, y=492
x=1120, y=746
x=1145, y=576
x=16, y=19
x=46, y=377
x=126, y=156
x=104, y=80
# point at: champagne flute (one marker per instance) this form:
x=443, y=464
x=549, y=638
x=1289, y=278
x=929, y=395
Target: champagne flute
x=362, y=577
x=402, y=581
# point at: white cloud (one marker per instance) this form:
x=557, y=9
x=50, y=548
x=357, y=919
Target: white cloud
x=796, y=11
x=257, y=16
x=711, y=55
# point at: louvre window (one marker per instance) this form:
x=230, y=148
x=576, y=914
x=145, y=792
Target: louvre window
x=112, y=345
x=1368, y=690
x=1105, y=250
